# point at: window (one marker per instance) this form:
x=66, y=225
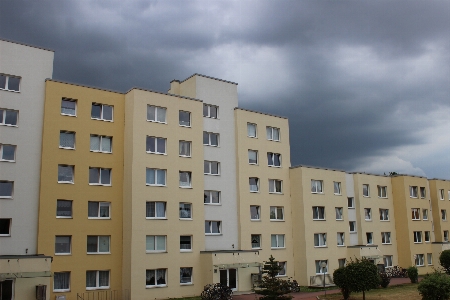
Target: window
x=337, y=188
x=185, y=179
x=430, y=258
x=185, y=149
x=97, y=280
x=211, y=167
x=277, y=213
x=320, y=240
x=321, y=266
x=419, y=260
x=387, y=259
x=5, y=227
x=185, y=211
x=98, y=244
x=275, y=186
x=61, y=281
x=352, y=226
x=384, y=214
x=339, y=213
x=369, y=238
x=155, y=278
x=212, y=197
x=385, y=237
x=65, y=174
x=273, y=133
x=9, y=83
x=366, y=191
x=273, y=159
x=449, y=195
x=99, y=210
x=256, y=241
x=316, y=186
x=63, y=244
x=318, y=213
x=255, y=212
x=368, y=214
x=254, y=184
x=341, y=262
x=445, y=235
x=99, y=176
x=155, y=210
x=7, y=152
x=64, y=208
x=6, y=189
x=441, y=194
x=417, y=236
x=156, y=177
x=427, y=236
x=101, y=143
x=413, y=191
x=156, y=145
x=156, y=114
x=423, y=192
x=251, y=130
x=66, y=139
x=382, y=191
x=212, y=227
x=415, y=213
x=277, y=241
x=210, y=139
x=253, y=157
x=444, y=214
x=185, y=118
x=185, y=243
x=68, y=107
x=185, y=275
x=155, y=243
x=425, y=214
x=282, y=265
x=210, y=111
x=351, y=202
x=102, y=112
x=340, y=239
x=8, y=117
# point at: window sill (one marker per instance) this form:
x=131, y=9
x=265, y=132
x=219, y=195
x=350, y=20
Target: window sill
x=9, y=125
x=276, y=193
x=97, y=288
x=67, y=115
x=272, y=166
x=185, y=156
x=339, y=219
x=353, y=231
x=155, y=286
x=213, y=234
x=384, y=220
x=99, y=218
x=320, y=246
x=157, y=153
x=319, y=219
x=275, y=220
x=63, y=254
x=152, y=121
x=278, y=276
x=386, y=243
x=156, y=218
x=382, y=197
x=211, y=145
x=5, y=235
x=416, y=219
x=111, y=121
x=259, y=248
x=253, y=164
x=14, y=91
x=216, y=204
x=147, y=184
x=152, y=252
x=67, y=148
x=341, y=245
x=186, y=284
x=366, y=196
x=99, y=184
x=6, y=160
x=185, y=187
x=337, y=194
x=185, y=126
x=186, y=251
x=350, y=207
x=417, y=242
x=425, y=220
x=60, y=217
x=61, y=291
x=254, y=191
x=368, y=220
x=211, y=174
x=98, y=253
x=252, y=137
x=98, y=151
x=413, y=197
x=185, y=219
x=255, y=220
x=6, y=197
x=278, y=248
x=273, y=140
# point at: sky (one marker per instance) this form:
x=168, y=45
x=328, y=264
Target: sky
x=365, y=84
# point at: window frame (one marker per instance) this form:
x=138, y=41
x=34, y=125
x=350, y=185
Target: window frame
x=424, y=214
x=97, y=280
x=341, y=236
x=318, y=264
x=74, y=139
x=190, y=244
x=441, y=194
x=368, y=214
x=317, y=210
x=69, y=245
x=388, y=261
x=210, y=169
x=210, y=134
x=156, y=140
x=156, y=285
x=273, y=185
x=256, y=179
x=430, y=259
x=366, y=190
x=64, y=99
x=210, y=225
x=445, y=236
x=274, y=214
x=352, y=199
x=277, y=240
x=3, y=117
x=272, y=130
x=179, y=118
x=271, y=157
x=100, y=204
x=443, y=214
x=189, y=143
x=100, y=177
x=55, y=290
x=256, y=155
x=149, y=106
x=341, y=213
x=413, y=191
x=423, y=192
x=337, y=188
x=384, y=214
x=155, y=170
x=386, y=238
x=419, y=258
x=256, y=130
x=369, y=238
x=188, y=175
x=415, y=214
x=9, y=222
x=257, y=214
x=72, y=168
x=382, y=191
x=191, y=281
x=102, y=109
x=190, y=211
x=208, y=108
x=350, y=223
x=71, y=209
x=321, y=240
x=210, y=192
x=427, y=236
x=259, y=242
x=156, y=244
x=98, y=245
x=282, y=264
x=6, y=86
x=314, y=186
x=2, y=146
x=156, y=217
x=417, y=237
x=101, y=137
x=11, y=196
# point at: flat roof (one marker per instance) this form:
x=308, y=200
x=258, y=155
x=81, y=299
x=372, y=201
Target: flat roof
x=28, y=45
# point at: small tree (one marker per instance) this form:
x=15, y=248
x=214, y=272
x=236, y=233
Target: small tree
x=340, y=279
x=272, y=287
x=435, y=286
x=413, y=274
x=444, y=260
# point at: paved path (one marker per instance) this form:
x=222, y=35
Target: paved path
x=313, y=295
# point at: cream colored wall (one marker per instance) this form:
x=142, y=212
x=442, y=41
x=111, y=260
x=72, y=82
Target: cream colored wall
x=438, y=205
x=79, y=226
x=136, y=193
x=264, y=227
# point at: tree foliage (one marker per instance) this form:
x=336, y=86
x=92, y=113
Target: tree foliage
x=435, y=286
x=272, y=287
x=444, y=261
x=413, y=274
x=216, y=291
x=340, y=279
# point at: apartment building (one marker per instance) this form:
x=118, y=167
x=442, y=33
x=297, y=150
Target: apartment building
x=440, y=206
x=23, y=70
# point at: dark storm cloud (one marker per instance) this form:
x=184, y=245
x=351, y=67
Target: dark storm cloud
x=358, y=80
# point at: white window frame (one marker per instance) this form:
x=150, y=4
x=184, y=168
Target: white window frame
x=382, y=191
x=190, y=244
x=98, y=244
x=415, y=214
x=100, y=143
x=339, y=211
x=423, y=192
x=255, y=152
x=445, y=236
x=181, y=146
x=102, y=118
x=71, y=209
x=207, y=113
x=209, y=223
x=155, y=170
x=443, y=214
x=316, y=186
x=181, y=208
x=65, y=289
x=11, y=183
x=320, y=240
x=271, y=159
x=156, y=140
x=210, y=134
x=337, y=188
x=2, y=146
x=419, y=261
x=340, y=236
x=275, y=212
x=257, y=216
x=97, y=280
x=155, y=274
x=101, y=174
x=248, y=131
x=100, y=205
x=69, y=244
x=156, y=243
x=259, y=242
x=386, y=238
x=6, y=86
x=179, y=118
x=3, y=113
x=208, y=165
x=368, y=214
x=417, y=237
x=282, y=272
x=350, y=223
x=441, y=194
x=276, y=238
x=429, y=259
x=70, y=167
x=147, y=203
x=427, y=236
x=191, y=272
x=256, y=185
x=9, y=220
x=273, y=186
x=384, y=214
x=366, y=190
x=352, y=200
x=318, y=264
x=369, y=238
x=68, y=133
x=270, y=133
x=388, y=261
x=425, y=214
x=185, y=175
x=208, y=194
x=319, y=213
x=342, y=262
x=156, y=113
x=413, y=193
x=75, y=109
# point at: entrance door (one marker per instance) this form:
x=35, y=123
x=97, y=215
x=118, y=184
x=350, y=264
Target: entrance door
x=6, y=290
x=229, y=278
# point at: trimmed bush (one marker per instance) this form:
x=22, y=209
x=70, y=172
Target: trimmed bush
x=444, y=260
x=340, y=279
x=216, y=291
x=413, y=274
x=435, y=286
x=385, y=279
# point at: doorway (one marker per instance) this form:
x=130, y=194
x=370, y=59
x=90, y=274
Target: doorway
x=6, y=290
x=228, y=277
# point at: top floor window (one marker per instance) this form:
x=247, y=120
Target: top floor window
x=156, y=114
x=8, y=117
x=210, y=111
x=251, y=130
x=423, y=192
x=316, y=186
x=185, y=118
x=273, y=133
x=413, y=191
x=9, y=83
x=68, y=107
x=382, y=191
x=366, y=190
x=441, y=194
x=102, y=112
x=337, y=188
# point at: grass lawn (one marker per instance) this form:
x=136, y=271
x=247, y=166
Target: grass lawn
x=398, y=292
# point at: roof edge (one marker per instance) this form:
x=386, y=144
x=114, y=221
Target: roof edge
x=28, y=45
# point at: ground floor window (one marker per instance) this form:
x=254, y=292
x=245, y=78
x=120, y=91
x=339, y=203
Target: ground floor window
x=61, y=281
x=156, y=277
x=185, y=275
x=97, y=280
x=321, y=266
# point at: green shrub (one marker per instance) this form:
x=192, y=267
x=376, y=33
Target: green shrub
x=340, y=279
x=216, y=291
x=435, y=286
x=413, y=274
x=444, y=260
x=385, y=279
